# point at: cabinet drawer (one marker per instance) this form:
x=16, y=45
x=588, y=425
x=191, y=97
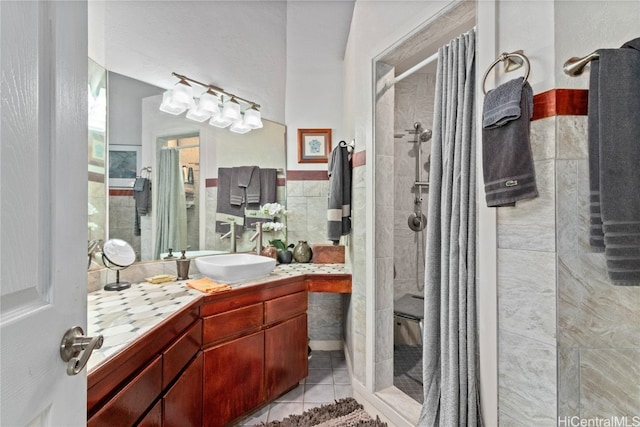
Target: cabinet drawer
x=232, y=323
x=180, y=352
x=286, y=307
x=126, y=407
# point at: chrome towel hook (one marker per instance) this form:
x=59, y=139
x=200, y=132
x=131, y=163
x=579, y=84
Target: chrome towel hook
x=575, y=66
x=506, y=56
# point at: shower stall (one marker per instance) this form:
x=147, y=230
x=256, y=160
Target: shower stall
x=413, y=114
x=405, y=76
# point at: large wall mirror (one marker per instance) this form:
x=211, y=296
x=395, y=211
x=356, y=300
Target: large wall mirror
x=137, y=141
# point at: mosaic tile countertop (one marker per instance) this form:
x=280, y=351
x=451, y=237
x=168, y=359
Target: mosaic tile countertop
x=124, y=316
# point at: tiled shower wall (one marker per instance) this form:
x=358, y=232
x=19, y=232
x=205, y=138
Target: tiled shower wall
x=527, y=295
x=414, y=98
x=122, y=210
x=384, y=227
x=568, y=338
x=354, y=303
x=598, y=323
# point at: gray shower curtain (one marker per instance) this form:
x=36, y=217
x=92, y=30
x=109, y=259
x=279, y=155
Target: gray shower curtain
x=449, y=345
x=171, y=205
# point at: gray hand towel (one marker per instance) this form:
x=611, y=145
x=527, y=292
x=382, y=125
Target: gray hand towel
x=268, y=194
x=596, y=235
x=508, y=169
x=142, y=199
x=236, y=193
x=339, y=203
x=223, y=205
x=502, y=104
x=619, y=155
x=253, y=186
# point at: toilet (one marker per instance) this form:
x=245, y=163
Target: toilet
x=408, y=314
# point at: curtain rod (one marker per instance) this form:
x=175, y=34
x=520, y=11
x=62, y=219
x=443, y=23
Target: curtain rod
x=411, y=70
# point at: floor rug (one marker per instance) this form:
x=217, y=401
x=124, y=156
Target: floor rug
x=345, y=412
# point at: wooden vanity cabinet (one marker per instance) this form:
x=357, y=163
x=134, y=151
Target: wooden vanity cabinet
x=153, y=379
x=285, y=356
x=212, y=362
x=255, y=348
x=182, y=402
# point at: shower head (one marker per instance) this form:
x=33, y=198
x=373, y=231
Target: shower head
x=425, y=135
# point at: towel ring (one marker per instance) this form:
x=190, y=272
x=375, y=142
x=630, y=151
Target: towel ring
x=504, y=57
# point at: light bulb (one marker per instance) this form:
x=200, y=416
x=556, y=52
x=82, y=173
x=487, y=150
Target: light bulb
x=168, y=107
x=239, y=127
x=252, y=118
x=196, y=114
x=182, y=95
x=219, y=121
x=209, y=103
x=231, y=110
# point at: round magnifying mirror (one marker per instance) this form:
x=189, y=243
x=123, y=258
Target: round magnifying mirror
x=117, y=255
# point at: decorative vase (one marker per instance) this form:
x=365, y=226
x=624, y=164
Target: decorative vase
x=285, y=256
x=270, y=251
x=302, y=252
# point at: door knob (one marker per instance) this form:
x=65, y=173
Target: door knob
x=76, y=349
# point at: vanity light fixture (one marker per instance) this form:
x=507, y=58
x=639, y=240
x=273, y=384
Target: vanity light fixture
x=219, y=107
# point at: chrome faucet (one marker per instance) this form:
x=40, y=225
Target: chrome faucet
x=232, y=235
x=258, y=235
x=94, y=247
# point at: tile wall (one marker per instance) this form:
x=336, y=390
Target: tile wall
x=354, y=305
x=384, y=226
x=598, y=323
x=413, y=103
x=122, y=220
x=527, y=295
x=569, y=341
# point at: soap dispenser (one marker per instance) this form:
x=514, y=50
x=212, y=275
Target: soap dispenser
x=183, y=264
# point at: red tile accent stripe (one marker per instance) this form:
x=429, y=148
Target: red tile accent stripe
x=560, y=102
x=120, y=192
x=297, y=175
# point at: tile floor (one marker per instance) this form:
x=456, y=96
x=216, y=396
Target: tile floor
x=327, y=382
x=407, y=370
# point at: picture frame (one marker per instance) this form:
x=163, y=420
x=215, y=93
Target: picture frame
x=314, y=145
x=125, y=162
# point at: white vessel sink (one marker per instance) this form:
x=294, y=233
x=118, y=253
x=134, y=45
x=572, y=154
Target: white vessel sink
x=234, y=268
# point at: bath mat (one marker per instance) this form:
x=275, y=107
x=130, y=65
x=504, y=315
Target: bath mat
x=345, y=412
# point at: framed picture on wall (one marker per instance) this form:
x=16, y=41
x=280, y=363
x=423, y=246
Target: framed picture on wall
x=124, y=163
x=314, y=145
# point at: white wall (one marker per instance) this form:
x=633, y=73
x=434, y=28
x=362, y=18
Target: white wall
x=237, y=45
x=316, y=31
x=584, y=26
x=376, y=26
x=124, y=101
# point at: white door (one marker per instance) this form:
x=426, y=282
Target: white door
x=43, y=208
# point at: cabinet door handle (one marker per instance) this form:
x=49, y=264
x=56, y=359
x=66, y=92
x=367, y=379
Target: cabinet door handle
x=76, y=349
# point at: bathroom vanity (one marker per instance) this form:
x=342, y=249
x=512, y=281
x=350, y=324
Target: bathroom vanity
x=213, y=357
